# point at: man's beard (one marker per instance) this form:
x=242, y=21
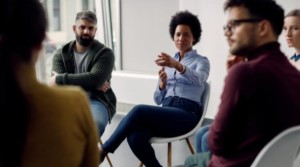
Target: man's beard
x=243, y=49
x=84, y=41
x=240, y=51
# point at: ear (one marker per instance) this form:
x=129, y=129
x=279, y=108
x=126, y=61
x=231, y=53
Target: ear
x=264, y=28
x=74, y=28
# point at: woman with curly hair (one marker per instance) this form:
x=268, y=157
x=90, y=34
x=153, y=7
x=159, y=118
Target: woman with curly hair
x=179, y=91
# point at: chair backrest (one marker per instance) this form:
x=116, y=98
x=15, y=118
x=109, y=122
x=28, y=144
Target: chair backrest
x=281, y=151
x=204, y=100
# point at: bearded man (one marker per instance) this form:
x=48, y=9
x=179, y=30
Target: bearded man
x=89, y=64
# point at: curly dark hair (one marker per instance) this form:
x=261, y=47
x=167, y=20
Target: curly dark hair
x=263, y=9
x=189, y=19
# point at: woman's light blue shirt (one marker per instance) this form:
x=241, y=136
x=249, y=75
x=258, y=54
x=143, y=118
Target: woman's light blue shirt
x=190, y=84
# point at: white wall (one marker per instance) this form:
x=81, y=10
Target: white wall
x=144, y=25
x=134, y=88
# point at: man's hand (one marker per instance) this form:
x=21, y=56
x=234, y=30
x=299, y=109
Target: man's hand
x=52, y=80
x=104, y=87
x=232, y=60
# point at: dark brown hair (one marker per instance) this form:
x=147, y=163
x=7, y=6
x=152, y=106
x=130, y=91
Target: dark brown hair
x=23, y=27
x=262, y=9
x=86, y=14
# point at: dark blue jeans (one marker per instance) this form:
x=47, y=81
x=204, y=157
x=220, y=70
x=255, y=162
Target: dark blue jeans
x=176, y=117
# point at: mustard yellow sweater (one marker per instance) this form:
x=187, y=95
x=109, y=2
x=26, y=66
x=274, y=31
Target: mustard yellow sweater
x=61, y=130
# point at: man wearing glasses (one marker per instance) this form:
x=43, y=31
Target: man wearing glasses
x=261, y=94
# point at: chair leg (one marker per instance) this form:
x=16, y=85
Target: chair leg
x=109, y=161
x=190, y=145
x=169, y=154
x=107, y=157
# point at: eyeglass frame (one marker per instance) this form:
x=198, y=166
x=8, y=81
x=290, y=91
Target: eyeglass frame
x=230, y=26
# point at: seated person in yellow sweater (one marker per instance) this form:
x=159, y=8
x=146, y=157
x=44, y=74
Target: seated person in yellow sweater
x=41, y=126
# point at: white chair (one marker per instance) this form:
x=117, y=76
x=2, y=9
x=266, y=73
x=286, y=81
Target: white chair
x=281, y=151
x=204, y=100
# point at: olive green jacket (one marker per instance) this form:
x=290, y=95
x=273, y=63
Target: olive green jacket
x=100, y=64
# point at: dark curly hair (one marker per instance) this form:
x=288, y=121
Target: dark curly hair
x=263, y=9
x=189, y=19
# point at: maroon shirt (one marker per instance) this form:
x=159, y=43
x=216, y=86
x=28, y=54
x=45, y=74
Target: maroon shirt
x=261, y=98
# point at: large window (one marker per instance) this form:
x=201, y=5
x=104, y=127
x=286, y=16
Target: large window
x=61, y=16
x=56, y=15
x=129, y=27
x=85, y=4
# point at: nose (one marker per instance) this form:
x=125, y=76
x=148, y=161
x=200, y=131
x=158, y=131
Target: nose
x=288, y=32
x=227, y=32
x=86, y=31
x=181, y=37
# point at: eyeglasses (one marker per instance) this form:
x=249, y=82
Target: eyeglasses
x=230, y=26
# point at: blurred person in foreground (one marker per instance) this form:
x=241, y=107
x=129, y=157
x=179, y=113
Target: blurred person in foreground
x=40, y=125
x=260, y=96
x=87, y=63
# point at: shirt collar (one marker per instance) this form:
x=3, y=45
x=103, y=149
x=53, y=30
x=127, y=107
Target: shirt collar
x=295, y=57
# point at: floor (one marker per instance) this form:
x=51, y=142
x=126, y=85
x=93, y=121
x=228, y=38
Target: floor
x=123, y=157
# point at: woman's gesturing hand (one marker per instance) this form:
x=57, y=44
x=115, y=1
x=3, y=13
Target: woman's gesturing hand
x=166, y=60
x=163, y=78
